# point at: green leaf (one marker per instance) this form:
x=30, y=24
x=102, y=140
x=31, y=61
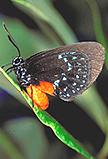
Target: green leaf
x=46, y=119
x=29, y=136
x=45, y=11
x=29, y=43
x=8, y=147
x=98, y=28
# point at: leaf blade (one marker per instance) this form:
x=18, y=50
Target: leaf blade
x=49, y=121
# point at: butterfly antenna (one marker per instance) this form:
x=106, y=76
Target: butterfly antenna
x=11, y=39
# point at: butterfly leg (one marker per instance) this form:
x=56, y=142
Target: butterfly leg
x=4, y=66
x=8, y=70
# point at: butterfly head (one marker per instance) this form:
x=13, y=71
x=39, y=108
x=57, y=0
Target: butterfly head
x=17, y=61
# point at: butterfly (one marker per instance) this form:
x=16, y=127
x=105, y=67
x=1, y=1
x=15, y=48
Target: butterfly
x=65, y=72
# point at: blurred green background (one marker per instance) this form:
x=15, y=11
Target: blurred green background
x=42, y=24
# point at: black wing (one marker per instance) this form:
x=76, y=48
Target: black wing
x=71, y=68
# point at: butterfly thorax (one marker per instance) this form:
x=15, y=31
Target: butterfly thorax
x=22, y=74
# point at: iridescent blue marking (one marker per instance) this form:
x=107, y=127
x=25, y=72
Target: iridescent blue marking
x=64, y=79
x=65, y=59
x=60, y=56
x=56, y=83
x=74, y=58
x=75, y=76
x=69, y=64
